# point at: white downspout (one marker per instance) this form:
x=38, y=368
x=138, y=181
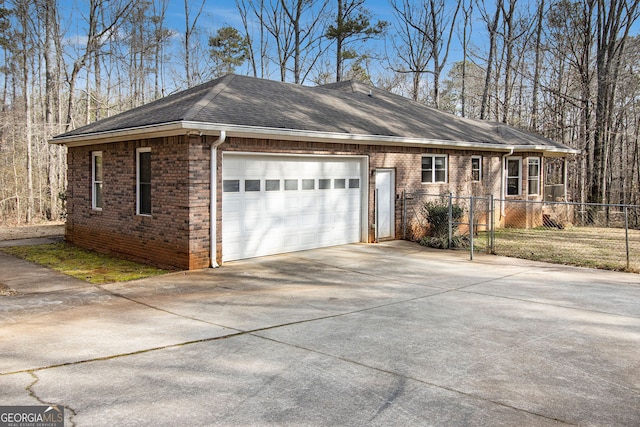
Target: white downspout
x=213, y=205
x=503, y=182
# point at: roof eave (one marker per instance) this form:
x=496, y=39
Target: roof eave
x=119, y=135
x=550, y=151
x=242, y=131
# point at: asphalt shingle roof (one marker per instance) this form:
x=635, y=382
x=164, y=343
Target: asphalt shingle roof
x=344, y=107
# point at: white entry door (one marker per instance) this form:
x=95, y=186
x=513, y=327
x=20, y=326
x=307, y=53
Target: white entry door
x=274, y=204
x=385, y=203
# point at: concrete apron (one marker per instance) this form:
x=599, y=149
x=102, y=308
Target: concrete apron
x=386, y=334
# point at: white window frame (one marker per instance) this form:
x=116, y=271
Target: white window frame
x=138, y=193
x=518, y=177
x=433, y=168
x=479, y=159
x=534, y=161
x=96, y=182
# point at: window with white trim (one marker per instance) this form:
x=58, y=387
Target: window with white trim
x=96, y=180
x=143, y=181
x=476, y=168
x=533, y=176
x=434, y=168
x=514, y=176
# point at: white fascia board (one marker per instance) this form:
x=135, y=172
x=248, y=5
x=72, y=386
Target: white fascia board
x=150, y=131
x=336, y=137
x=551, y=151
x=186, y=127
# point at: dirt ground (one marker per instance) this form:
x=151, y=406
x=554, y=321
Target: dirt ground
x=45, y=229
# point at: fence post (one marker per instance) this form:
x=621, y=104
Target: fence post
x=404, y=214
x=492, y=230
x=471, y=231
x=626, y=232
x=450, y=220
x=375, y=217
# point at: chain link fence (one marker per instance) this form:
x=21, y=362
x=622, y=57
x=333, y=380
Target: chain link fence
x=589, y=235
x=448, y=221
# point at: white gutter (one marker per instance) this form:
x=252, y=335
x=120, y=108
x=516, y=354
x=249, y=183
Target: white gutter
x=213, y=199
x=546, y=149
x=180, y=127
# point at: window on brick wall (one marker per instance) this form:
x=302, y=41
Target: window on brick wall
x=533, y=179
x=514, y=176
x=434, y=169
x=143, y=178
x=96, y=180
x=476, y=168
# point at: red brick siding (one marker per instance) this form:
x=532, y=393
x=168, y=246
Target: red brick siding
x=406, y=161
x=162, y=238
x=178, y=231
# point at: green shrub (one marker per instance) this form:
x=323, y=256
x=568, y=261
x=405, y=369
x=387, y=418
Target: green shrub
x=437, y=215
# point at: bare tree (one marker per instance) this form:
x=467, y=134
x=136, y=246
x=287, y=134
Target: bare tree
x=492, y=28
x=305, y=35
x=190, y=29
x=23, y=13
x=467, y=10
x=412, y=48
x=440, y=35
x=101, y=22
x=160, y=39
x=52, y=56
x=614, y=19
x=514, y=29
x=537, y=64
x=257, y=54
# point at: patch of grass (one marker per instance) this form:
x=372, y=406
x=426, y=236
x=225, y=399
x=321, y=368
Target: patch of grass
x=582, y=246
x=90, y=266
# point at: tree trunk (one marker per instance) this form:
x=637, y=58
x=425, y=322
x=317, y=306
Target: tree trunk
x=339, y=40
x=492, y=27
x=537, y=64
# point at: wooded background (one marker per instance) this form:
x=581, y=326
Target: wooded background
x=565, y=69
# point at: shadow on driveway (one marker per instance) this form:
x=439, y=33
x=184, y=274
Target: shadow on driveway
x=386, y=334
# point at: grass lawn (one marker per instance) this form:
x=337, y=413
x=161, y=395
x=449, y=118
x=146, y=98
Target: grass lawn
x=582, y=246
x=83, y=264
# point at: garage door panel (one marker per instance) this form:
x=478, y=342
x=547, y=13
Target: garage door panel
x=291, y=203
x=308, y=201
x=253, y=204
x=307, y=240
x=325, y=218
x=284, y=216
x=251, y=223
x=309, y=219
x=291, y=221
x=273, y=203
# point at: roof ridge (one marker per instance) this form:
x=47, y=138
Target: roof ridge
x=208, y=97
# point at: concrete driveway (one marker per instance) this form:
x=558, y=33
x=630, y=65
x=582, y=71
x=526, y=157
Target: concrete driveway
x=387, y=334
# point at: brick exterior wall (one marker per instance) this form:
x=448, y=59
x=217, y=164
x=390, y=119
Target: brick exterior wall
x=405, y=161
x=177, y=233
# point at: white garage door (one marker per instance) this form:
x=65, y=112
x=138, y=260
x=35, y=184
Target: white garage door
x=276, y=204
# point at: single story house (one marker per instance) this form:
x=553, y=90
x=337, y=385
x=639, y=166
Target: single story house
x=241, y=167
